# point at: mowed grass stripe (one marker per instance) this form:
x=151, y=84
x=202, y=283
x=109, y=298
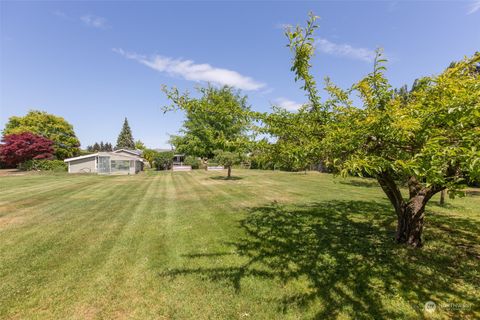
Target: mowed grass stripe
x=41, y=186
x=109, y=258
x=199, y=208
x=115, y=280
x=197, y=232
x=67, y=242
x=47, y=237
x=54, y=201
x=61, y=208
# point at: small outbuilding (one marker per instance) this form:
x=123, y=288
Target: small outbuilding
x=106, y=163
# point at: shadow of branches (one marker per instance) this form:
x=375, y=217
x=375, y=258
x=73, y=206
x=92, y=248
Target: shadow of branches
x=344, y=251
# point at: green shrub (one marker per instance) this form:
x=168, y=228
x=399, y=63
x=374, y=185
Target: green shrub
x=163, y=160
x=192, y=161
x=44, y=165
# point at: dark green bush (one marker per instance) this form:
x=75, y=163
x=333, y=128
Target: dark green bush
x=43, y=165
x=192, y=161
x=163, y=160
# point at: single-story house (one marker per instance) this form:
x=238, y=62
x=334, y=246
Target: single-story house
x=118, y=162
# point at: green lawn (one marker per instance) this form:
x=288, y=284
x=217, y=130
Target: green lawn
x=188, y=245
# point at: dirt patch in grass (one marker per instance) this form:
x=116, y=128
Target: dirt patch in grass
x=9, y=221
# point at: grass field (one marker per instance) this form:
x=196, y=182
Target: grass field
x=189, y=245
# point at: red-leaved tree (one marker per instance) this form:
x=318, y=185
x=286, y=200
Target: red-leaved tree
x=18, y=148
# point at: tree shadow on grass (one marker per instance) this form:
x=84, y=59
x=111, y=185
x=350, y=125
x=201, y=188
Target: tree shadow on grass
x=345, y=253
x=233, y=178
x=360, y=183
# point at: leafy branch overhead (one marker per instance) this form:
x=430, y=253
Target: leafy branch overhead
x=427, y=138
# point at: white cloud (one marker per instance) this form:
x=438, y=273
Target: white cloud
x=287, y=104
x=474, y=7
x=189, y=70
x=345, y=50
x=94, y=21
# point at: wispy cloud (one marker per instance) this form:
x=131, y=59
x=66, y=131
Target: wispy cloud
x=61, y=14
x=94, y=21
x=287, y=104
x=474, y=7
x=192, y=71
x=345, y=50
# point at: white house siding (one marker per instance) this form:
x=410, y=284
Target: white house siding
x=86, y=165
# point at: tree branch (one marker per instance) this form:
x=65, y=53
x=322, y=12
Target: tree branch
x=392, y=191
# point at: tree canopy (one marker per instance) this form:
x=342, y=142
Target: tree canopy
x=125, y=138
x=139, y=145
x=228, y=159
x=50, y=126
x=218, y=120
x=427, y=138
x=18, y=148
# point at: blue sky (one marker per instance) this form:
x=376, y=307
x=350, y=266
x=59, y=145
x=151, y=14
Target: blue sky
x=95, y=63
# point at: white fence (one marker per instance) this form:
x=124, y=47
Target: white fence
x=215, y=168
x=182, y=168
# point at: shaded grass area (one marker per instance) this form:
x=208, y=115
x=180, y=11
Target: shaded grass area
x=266, y=246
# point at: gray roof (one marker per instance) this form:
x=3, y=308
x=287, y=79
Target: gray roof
x=136, y=152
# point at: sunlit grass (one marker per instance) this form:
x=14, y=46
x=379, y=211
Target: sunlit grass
x=186, y=245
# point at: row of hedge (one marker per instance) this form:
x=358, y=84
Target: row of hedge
x=43, y=165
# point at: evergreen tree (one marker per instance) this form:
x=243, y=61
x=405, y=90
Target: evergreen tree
x=125, y=138
x=102, y=147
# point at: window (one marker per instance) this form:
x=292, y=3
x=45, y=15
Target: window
x=120, y=165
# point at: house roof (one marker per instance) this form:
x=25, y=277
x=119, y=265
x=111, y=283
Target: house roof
x=134, y=152
x=81, y=157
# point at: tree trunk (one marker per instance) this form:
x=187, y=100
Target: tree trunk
x=410, y=222
x=229, y=172
x=442, y=197
x=410, y=214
